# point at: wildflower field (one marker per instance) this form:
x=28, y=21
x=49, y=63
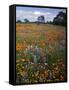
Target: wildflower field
x=40, y=53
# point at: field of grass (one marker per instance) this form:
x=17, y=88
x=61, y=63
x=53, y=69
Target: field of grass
x=40, y=53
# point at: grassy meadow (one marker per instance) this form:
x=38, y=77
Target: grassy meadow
x=40, y=53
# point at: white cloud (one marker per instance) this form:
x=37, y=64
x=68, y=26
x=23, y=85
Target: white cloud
x=32, y=16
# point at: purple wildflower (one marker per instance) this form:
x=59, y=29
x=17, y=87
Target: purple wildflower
x=44, y=58
x=36, y=50
x=35, y=59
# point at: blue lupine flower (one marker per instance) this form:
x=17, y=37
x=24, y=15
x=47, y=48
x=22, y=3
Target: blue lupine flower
x=36, y=50
x=44, y=59
x=35, y=59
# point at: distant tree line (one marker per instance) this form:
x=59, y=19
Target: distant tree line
x=60, y=19
x=25, y=21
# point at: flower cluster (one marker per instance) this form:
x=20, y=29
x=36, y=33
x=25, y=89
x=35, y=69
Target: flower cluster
x=40, y=53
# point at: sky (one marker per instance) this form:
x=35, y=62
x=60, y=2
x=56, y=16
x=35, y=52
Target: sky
x=32, y=13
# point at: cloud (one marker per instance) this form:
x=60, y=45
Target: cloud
x=33, y=15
